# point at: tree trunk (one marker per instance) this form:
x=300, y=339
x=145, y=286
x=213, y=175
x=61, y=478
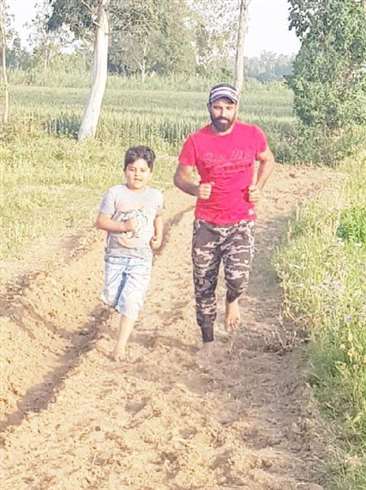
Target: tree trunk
x=100, y=64
x=242, y=31
x=4, y=95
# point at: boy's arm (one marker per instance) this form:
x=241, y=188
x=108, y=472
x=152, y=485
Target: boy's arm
x=106, y=223
x=157, y=239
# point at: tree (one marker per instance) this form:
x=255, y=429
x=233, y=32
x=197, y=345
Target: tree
x=92, y=112
x=17, y=57
x=329, y=71
x=151, y=37
x=174, y=42
x=85, y=18
x=46, y=44
x=269, y=67
x=216, y=34
x=3, y=73
x=240, y=44
x=136, y=23
x=220, y=35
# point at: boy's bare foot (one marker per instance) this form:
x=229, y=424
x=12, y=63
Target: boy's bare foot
x=119, y=354
x=232, y=315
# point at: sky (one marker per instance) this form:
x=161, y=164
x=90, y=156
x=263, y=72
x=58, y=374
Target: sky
x=267, y=31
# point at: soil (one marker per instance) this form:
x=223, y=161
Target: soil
x=71, y=418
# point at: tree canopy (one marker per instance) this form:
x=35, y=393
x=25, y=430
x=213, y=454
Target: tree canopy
x=329, y=72
x=151, y=36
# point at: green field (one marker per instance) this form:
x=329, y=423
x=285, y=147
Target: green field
x=51, y=183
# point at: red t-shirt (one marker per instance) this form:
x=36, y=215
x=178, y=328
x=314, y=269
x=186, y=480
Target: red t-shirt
x=228, y=161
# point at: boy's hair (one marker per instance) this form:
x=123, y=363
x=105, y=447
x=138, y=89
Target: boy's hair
x=139, y=152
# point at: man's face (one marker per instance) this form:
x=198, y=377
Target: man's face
x=223, y=114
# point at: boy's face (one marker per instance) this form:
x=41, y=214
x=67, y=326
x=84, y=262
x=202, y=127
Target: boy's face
x=137, y=174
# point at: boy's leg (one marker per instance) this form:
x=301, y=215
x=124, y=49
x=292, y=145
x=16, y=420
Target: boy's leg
x=131, y=299
x=125, y=328
x=206, y=264
x=114, y=279
x=237, y=253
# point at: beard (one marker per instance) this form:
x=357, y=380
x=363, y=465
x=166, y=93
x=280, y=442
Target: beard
x=221, y=124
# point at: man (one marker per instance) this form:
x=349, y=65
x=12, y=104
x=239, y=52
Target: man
x=224, y=155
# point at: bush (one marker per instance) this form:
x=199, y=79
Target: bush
x=352, y=226
x=318, y=145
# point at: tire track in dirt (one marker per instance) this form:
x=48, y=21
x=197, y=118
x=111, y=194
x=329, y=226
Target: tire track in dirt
x=159, y=421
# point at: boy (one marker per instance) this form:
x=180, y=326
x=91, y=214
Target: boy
x=131, y=215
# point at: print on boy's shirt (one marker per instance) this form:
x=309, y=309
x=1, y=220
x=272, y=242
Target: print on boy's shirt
x=136, y=214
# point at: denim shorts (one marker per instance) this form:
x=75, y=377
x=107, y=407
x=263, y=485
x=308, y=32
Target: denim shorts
x=126, y=280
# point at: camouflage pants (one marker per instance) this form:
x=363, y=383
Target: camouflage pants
x=234, y=245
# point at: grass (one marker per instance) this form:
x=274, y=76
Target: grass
x=323, y=270
x=50, y=183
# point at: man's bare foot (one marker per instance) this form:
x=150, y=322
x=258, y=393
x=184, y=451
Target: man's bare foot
x=119, y=354
x=232, y=315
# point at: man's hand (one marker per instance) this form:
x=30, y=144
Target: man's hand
x=254, y=194
x=204, y=191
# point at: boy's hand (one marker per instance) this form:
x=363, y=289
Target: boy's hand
x=204, y=190
x=130, y=225
x=155, y=242
x=254, y=194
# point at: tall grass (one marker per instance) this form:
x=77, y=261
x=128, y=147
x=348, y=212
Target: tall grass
x=161, y=118
x=323, y=273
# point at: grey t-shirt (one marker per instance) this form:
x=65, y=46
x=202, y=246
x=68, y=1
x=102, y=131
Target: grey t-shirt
x=122, y=204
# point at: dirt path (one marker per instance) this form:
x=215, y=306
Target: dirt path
x=72, y=419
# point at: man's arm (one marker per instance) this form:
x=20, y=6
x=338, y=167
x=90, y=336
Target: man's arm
x=266, y=165
x=185, y=180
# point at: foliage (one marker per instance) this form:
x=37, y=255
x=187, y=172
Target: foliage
x=352, y=226
x=79, y=16
x=46, y=44
x=215, y=27
x=17, y=57
x=151, y=36
x=319, y=145
x=329, y=71
x=322, y=269
x=269, y=66
x=146, y=38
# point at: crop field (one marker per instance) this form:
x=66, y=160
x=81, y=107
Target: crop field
x=51, y=183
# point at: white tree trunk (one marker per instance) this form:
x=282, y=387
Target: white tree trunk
x=4, y=93
x=240, y=45
x=100, y=63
